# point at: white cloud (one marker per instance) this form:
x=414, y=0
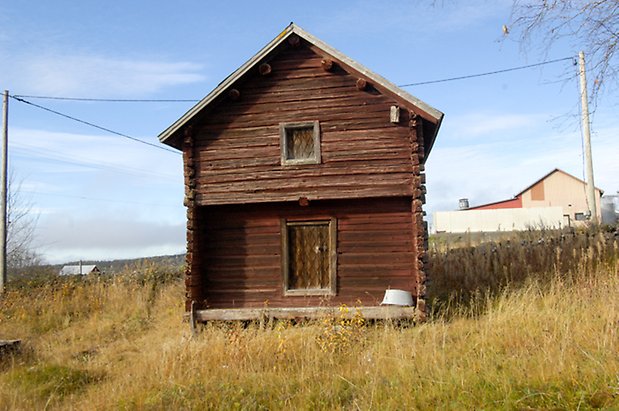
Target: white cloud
x=80, y=153
x=99, y=197
x=61, y=237
x=93, y=75
x=492, y=124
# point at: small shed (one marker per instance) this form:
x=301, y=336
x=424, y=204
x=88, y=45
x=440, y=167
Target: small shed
x=78, y=269
x=304, y=186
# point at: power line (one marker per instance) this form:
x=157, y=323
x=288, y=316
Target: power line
x=489, y=73
x=107, y=100
x=121, y=100
x=92, y=124
x=57, y=156
x=107, y=200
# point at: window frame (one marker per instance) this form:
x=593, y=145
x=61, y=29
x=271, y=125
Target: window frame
x=284, y=127
x=331, y=289
x=581, y=216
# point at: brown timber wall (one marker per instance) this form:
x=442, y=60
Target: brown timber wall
x=237, y=143
x=241, y=260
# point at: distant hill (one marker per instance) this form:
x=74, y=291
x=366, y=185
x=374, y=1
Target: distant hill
x=106, y=266
x=113, y=266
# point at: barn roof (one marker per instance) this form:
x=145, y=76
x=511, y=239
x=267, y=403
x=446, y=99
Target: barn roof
x=171, y=135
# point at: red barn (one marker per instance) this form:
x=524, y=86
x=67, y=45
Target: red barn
x=304, y=187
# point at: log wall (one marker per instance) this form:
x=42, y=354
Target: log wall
x=375, y=251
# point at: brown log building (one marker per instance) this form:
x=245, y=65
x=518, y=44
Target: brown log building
x=304, y=186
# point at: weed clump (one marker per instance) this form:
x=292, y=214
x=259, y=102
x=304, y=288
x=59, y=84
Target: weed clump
x=462, y=273
x=340, y=332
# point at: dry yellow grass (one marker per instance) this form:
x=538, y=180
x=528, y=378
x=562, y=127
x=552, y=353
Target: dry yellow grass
x=120, y=344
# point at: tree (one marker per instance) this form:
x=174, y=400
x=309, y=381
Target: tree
x=590, y=25
x=21, y=225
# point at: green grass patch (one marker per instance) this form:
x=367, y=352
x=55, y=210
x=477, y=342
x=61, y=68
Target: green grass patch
x=51, y=381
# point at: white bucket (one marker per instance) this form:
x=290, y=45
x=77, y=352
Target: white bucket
x=397, y=297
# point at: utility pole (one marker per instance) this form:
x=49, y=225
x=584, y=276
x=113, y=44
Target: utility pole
x=584, y=102
x=3, y=181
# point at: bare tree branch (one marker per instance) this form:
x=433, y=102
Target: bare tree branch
x=592, y=26
x=21, y=225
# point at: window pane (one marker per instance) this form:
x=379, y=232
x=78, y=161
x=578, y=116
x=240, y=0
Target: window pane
x=300, y=143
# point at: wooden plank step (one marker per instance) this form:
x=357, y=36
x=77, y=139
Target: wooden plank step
x=243, y=314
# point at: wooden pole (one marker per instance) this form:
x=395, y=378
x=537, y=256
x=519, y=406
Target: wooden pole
x=587, y=139
x=3, y=184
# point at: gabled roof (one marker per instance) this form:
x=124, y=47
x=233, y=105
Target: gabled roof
x=77, y=269
x=556, y=170
x=170, y=135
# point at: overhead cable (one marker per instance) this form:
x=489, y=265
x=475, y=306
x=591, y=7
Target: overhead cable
x=107, y=100
x=106, y=200
x=92, y=124
x=53, y=155
x=121, y=100
x=489, y=73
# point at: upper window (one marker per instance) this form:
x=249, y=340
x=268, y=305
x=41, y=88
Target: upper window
x=300, y=143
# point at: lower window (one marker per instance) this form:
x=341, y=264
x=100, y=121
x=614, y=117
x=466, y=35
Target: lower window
x=309, y=257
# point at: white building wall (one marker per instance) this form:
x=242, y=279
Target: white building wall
x=506, y=219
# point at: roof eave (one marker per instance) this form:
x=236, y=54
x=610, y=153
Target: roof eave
x=433, y=138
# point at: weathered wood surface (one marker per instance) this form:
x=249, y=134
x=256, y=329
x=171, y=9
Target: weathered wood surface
x=290, y=313
x=420, y=227
x=375, y=251
x=193, y=283
x=363, y=154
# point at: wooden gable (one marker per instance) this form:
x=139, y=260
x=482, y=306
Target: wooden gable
x=294, y=36
x=362, y=150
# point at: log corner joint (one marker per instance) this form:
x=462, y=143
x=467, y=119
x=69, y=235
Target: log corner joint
x=327, y=64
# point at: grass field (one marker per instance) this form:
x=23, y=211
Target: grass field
x=544, y=335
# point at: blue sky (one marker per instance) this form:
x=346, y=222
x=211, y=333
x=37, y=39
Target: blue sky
x=100, y=196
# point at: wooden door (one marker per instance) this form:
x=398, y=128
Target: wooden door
x=309, y=257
